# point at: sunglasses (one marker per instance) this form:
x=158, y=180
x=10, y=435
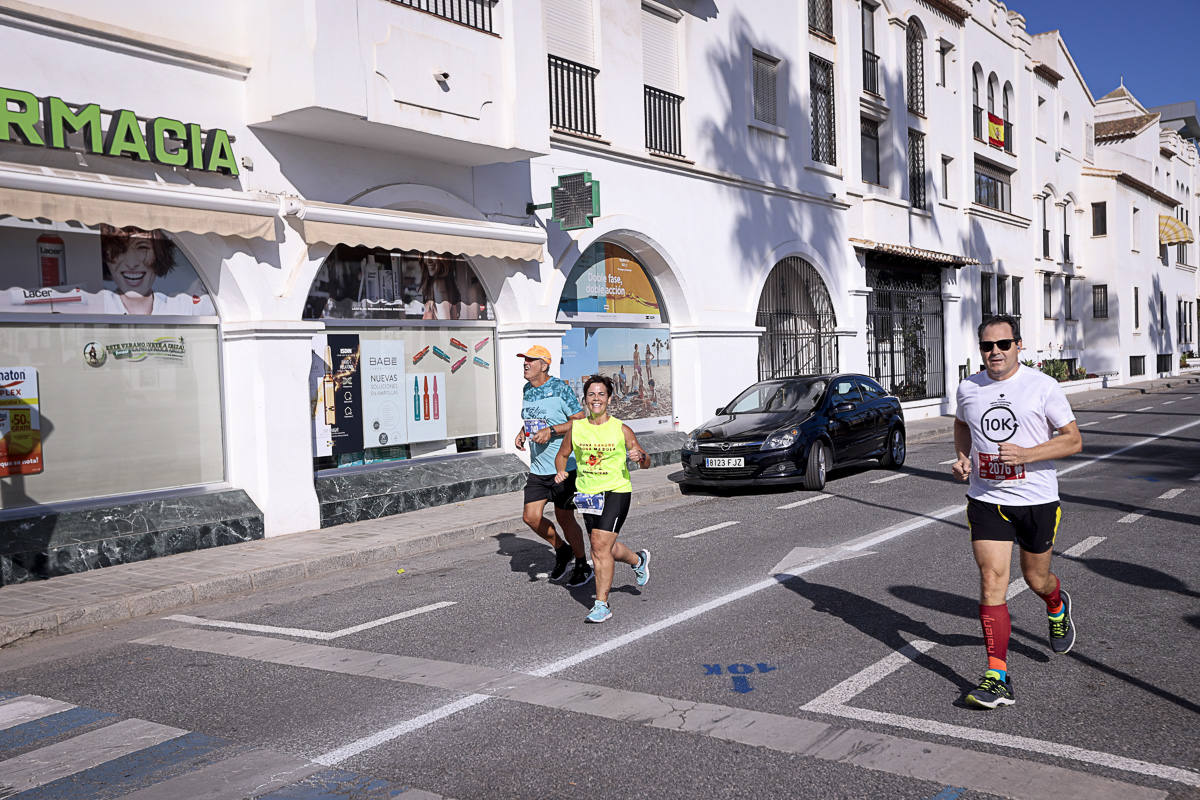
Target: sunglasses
x=1004, y=344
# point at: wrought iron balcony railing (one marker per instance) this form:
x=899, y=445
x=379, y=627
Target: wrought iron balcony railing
x=663, y=122
x=572, y=96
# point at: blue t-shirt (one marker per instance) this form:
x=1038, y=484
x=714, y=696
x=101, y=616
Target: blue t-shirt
x=553, y=402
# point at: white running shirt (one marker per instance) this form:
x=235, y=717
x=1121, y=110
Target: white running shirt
x=1024, y=409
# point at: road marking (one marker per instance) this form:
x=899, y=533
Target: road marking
x=709, y=529
x=949, y=461
x=1118, y=416
x=1147, y=408
x=1128, y=447
x=27, y=708
x=1171, y=494
x=806, y=501
x=895, y=477
x=1134, y=516
x=859, y=682
x=340, y=754
x=1195, y=477
x=250, y=774
x=1093, y=422
x=1019, y=585
x=984, y=772
x=305, y=633
x=1167, y=402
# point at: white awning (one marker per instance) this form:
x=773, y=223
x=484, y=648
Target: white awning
x=400, y=230
x=65, y=198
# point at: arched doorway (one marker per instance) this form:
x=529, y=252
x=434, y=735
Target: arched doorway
x=798, y=316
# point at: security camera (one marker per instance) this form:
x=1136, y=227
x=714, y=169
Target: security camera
x=441, y=76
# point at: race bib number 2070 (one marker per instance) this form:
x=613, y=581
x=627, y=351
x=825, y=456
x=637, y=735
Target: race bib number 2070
x=992, y=469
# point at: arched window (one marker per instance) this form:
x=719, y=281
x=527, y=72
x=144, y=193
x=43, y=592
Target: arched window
x=976, y=109
x=1007, y=106
x=1065, y=144
x=991, y=90
x=915, y=42
x=797, y=314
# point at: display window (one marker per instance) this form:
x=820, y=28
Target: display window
x=109, y=366
x=618, y=329
x=406, y=366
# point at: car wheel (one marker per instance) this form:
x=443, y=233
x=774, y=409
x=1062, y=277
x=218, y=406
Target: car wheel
x=818, y=465
x=896, y=450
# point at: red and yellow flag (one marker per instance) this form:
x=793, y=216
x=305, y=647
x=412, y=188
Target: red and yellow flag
x=995, y=130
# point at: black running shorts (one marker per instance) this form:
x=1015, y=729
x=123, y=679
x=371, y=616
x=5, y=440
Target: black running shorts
x=543, y=487
x=616, y=509
x=1031, y=527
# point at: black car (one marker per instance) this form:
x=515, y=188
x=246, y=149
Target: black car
x=796, y=429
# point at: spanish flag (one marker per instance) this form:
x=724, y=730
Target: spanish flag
x=995, y=130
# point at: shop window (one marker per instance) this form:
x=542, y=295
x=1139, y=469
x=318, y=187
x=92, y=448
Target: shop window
x=618, y=329
x=406, y=365
x=99, y=407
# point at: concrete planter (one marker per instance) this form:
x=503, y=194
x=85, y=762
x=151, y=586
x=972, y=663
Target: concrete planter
x=1085, y=385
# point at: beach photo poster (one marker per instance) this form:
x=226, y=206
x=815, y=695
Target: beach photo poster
x=638, y=360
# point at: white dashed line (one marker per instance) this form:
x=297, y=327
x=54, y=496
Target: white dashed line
x=895, y=477
x=1093, y=422
x=1019, y=585
x=1134, y=516
x=806, y=501
x=304, y=633
x=951, y=461
x=1170, y=494
x=1195, y=478
x=1167, y=402
x=1118, y=416
x=1147, y=408
x=709, y=529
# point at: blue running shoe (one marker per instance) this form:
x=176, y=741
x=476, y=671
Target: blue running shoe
x=599, y=612
x=642, y=570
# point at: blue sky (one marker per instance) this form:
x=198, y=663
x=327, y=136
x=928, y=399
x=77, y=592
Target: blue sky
x=1153, y=43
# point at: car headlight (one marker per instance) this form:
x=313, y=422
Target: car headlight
x=690, y=443
x=781, y=439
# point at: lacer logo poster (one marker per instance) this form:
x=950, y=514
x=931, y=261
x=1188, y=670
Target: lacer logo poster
x=383, y=392
x=20, y=422
x=346, y=432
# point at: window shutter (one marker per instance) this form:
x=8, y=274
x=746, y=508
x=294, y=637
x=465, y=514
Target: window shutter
x=569, y=30
x=660, y=51
x=766, y=72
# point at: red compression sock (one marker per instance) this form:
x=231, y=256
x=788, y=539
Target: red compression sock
x=1054, y=599
x=997, y=627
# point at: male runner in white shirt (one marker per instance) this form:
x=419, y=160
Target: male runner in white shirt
x=1004, y=438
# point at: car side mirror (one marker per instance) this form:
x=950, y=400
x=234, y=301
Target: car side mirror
x=720, y=411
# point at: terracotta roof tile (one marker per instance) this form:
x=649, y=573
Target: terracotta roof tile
x=1123, y=128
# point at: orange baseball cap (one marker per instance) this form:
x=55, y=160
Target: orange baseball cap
x=537, y=351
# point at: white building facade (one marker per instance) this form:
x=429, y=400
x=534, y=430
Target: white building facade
x=267, y=266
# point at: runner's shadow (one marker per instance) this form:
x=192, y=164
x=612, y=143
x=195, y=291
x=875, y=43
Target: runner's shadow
x=1135, y=575
x=525, y=555
x=883, y=624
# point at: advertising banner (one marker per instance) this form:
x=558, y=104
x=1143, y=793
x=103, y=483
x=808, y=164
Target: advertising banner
x=383, y=385
x=639, y=362
x=20, y=422
x=608, y=284
x=346, y=431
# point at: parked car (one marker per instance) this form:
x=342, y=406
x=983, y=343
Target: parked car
x=796, y=429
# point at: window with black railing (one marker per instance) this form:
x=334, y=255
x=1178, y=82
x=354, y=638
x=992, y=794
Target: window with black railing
x=916, y=168
x=1162, y=363
x=915, y=52
x=1008, y=136
x=572, y=96
x=977, y=122
x=1045, y=242
x=870, y=72
x=820, y=16
x=1067, y=248
x=824, y=144
x=475, y=14
x=1181, y=254
x=1100, y=301
x=663, y=128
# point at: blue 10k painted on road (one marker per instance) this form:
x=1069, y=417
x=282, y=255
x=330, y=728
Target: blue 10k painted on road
x=740, y=673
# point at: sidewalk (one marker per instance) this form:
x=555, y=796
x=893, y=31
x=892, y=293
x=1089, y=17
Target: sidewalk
x=74, y=602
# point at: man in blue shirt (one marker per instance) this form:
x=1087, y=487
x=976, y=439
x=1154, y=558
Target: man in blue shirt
x=548, y=406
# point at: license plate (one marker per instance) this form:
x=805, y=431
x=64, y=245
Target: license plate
x=719, y=463
x=992, y=469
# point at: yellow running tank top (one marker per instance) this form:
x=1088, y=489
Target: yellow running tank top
x=600, y=457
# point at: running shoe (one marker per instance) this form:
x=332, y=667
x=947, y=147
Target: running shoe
x=599, y=612
x=991, y=692
x=642, y=570
x=562, y=559
x=581, y=575
x=1062, y=631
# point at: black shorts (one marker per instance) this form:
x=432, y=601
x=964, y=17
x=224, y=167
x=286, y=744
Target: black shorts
x=543, y=487
x=1032, y=527
x=616, y=509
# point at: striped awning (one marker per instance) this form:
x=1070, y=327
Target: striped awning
x=1173, y=231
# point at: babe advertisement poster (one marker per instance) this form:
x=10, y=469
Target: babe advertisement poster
x=20, y=422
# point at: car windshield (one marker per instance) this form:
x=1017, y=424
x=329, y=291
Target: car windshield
x=773, y=396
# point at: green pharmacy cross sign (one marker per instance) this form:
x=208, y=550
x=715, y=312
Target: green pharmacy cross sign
x=575, y=201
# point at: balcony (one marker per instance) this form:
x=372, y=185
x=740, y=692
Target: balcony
x=418, y=77
x=572, y=96
x=870, y=72
x=663, y=129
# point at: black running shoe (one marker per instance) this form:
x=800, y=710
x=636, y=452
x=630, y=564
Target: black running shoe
x=562, y=559
x=581, y=575
x=1062, y=631
x=991, y=692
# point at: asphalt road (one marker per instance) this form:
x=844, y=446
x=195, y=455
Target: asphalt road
x=813, y=648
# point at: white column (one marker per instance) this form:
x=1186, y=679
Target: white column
x=268, y=422
x=852, y=340
x=709, y=366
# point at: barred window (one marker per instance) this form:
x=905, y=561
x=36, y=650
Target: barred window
x=1100, y=301
x=1016, y=297
x=916, y=168
x=1047, y=298
x=1137, y=309
x=985, y=293
x=1099, y=219
x=1068, y=307
x=992, y=187
x=824, y=145
x=766, y=77
x=820, y=16
x=1001, y=294
x=1137, y=366
x=916, y=67
x=870, y=150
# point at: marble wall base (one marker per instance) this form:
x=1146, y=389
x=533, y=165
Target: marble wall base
x=46, y=545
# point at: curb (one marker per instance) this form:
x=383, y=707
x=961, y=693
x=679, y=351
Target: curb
x=69, y=619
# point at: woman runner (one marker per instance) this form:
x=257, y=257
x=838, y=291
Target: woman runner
x=601, y=445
